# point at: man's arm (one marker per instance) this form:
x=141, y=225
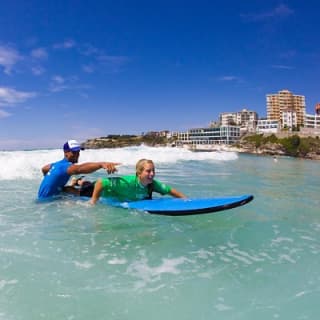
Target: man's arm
x=89, y=167
x=45, y=169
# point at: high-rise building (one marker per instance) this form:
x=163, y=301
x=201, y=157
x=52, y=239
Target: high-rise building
x=283, y=103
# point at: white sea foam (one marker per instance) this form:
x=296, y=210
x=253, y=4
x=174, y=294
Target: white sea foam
x=143, y=271
x=117, y=261
x=4, y=283
x=84, y=264
x=27, y=164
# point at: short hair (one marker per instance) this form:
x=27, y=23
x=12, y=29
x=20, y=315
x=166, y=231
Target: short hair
x=141, y=164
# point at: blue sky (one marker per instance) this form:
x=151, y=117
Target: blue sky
x=84, y=69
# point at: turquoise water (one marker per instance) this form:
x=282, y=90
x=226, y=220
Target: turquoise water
x=68, y=260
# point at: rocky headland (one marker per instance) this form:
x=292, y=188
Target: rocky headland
x=293, y=145
x=121, y=141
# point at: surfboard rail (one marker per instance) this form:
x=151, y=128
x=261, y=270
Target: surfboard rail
x=204, y=210
x=183, y=207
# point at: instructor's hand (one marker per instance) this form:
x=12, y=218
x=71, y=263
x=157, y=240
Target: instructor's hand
x=110, y=167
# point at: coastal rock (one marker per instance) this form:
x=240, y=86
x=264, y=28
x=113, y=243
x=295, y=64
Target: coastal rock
x=121, y=141
x=307, y=148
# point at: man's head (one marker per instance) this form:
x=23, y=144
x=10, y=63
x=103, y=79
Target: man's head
x=72, y=145
x=72, y=150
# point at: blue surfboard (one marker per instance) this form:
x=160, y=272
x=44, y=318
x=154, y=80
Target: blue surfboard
x=182, y=207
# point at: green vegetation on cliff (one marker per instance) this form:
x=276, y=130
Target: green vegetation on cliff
x=120, y=141
x=294, y=146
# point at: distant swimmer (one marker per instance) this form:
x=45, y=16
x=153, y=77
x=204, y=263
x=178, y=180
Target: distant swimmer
x=275, y=159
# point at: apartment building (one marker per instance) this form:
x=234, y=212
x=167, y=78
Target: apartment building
x=284, y=106
x=245, y=119
x=312, y=121
x=267, y=126
x=289, y=119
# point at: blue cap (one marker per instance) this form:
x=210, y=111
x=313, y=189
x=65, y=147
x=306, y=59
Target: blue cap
x=72, y=145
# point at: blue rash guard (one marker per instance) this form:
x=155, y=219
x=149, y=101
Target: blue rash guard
x=56, y=178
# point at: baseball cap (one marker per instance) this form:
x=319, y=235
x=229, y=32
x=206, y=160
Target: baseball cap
x=72, y=145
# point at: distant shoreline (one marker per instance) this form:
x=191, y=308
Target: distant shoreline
x=294, y=146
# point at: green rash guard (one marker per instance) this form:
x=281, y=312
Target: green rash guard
x=128, y=188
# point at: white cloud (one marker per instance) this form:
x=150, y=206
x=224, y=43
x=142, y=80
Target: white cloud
x=39, y=53
x=228, y=78
x=280, y=66
x=9, y=96
x=281, y=11
x=88, y=68
x=58, y=79
x=112, y=63
x=57, y=88
x=90, y=50
x=37, y=56
x=100, y=58
x=59, y=83
x=67, y=44
x=114, y=60
x=8, y=58
x=288, y=54
x=4, y=114
x=37, y=71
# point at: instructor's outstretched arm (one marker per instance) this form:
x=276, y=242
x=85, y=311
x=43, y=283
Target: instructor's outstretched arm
x=89, y=167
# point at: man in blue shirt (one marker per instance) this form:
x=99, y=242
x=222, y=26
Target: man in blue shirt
x=57, y=174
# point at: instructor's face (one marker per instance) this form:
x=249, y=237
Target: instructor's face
x=72, y=156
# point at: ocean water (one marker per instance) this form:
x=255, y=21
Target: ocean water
x=68, y=260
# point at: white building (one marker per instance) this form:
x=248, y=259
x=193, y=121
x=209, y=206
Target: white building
x=222, y=135
x=245, y=119
x=289, y=119
x=267, y=126
x=311, y=125
x=312, y=121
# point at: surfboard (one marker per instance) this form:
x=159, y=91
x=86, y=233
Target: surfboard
x=182, y=207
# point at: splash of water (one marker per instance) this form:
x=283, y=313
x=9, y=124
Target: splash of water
x=27, y=164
